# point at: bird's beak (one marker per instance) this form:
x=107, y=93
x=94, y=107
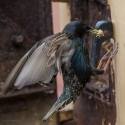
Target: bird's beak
x=94, y=31
x=98, y=33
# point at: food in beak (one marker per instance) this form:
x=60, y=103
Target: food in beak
x=99, y=33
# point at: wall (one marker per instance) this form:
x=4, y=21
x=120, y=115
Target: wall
x=118, y=18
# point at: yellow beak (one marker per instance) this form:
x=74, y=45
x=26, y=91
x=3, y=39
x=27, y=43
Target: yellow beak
x=95, y=31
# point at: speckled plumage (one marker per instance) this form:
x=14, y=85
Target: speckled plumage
x=80, y=60
x=75, y=76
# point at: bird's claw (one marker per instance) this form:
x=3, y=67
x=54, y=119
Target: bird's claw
x=93, y=92
x=114, y=52
x=107, y=55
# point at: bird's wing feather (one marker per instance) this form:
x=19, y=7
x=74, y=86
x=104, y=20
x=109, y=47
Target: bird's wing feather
x=39, y=63
x=35, y=69
x=53, y=110
x=16, y=70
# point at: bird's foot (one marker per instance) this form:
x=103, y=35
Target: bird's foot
x=108, y=47
x=114, y=52
x=109, y=55
x=110, y=58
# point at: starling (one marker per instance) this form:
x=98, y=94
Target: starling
x=65, y=52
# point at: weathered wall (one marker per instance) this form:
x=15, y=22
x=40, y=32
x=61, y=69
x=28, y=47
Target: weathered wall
x=35, y=17
x=32, y=20
x=118, y=18
x=22, y=24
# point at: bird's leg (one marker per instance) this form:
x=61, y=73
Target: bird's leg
x=105, y=46
x=110, y=59
x=97, y=85
x=103, y=58
x=109, y=56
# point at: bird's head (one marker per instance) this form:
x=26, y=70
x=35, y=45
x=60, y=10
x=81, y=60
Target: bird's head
x=77, y=28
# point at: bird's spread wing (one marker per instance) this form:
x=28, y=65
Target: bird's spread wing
x=40, y=63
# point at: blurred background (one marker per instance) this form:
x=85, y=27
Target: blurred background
x=22, y=24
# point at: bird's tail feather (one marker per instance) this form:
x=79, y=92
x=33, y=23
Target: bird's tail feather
x=54, y=109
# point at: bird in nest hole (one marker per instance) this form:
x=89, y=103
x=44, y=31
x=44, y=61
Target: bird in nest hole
x=65, y=52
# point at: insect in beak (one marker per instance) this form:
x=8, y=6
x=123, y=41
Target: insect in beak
x=99, y=33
